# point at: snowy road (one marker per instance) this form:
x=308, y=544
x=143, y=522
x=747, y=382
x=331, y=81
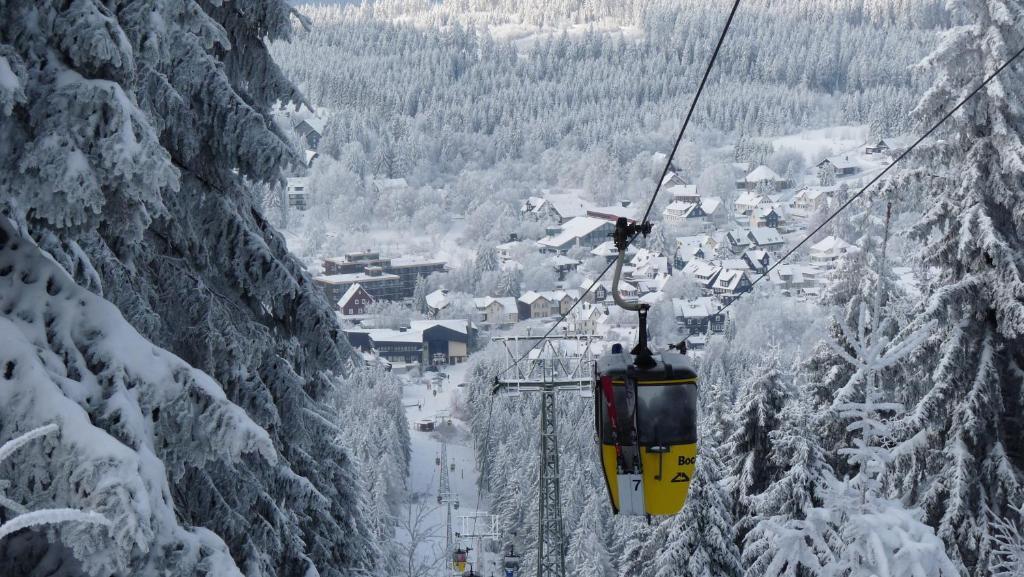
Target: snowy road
x=424, y=473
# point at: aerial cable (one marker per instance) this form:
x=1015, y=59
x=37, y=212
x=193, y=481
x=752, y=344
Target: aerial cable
x=693, y=107
x=657, y=188
x=878, y=176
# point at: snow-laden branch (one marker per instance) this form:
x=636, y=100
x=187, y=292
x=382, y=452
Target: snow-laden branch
x=18, y=442
x=51, y=517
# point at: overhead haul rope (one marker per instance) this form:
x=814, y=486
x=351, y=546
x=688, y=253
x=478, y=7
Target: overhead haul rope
x=878, y=176
x=657, y=188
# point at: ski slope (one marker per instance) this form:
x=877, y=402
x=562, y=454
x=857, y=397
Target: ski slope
x=424, y=474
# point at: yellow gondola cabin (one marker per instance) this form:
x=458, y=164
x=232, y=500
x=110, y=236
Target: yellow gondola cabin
x=646, y=419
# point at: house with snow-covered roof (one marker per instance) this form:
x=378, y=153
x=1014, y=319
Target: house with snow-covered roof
x=829, y=250
x=812, y=198
x=582, y=231
x=355, y=303
x=766, y=239
x=310, y=130
x=702, y=272
x=602, y=291
x=586, y=319
x=730, y=284
x=842, y=165
x=556, y=207
x=769, y=216
x=389, y=185
x=677, y=212
x=692, y=247
x=497, y=311
x=684, y=193
x=748, y=202
x=672, y=178
x=738, y=240
x=699, y=316
x=445, y=341
x=762, y=174
x=876, y=148
x=795, y=279
x=563, y=265
x=648, y=264
x=758, y=260
x=437, y=301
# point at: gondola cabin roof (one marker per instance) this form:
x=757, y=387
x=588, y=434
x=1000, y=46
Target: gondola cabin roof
x=669, y=365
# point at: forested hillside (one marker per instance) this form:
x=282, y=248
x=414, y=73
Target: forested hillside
x=453, y=95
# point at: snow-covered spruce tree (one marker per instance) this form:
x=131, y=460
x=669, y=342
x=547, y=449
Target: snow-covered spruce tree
x=700, y=541
x=588, y=553
x=127, y=133
x=133, y=418
x=1008, y=546
x=877, y=535
x=758, y=412
x=974, y=234
x=863, y=278
x=781, y=510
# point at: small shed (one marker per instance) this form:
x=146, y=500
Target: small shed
x=425, y=425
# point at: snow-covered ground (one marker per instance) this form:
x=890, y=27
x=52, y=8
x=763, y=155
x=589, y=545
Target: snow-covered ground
x=424, y=473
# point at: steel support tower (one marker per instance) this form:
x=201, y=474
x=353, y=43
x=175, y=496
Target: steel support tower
x=558, y=364
x=550, y=532
x=445, y=497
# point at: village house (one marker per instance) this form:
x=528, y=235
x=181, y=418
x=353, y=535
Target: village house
x=795, y=279
x=843, y=166
x=310, y=130
x=355, y=303
x=829, y=250
x=445, y=342
x=648, y=264
x=747, y=202
x=533, y=305
x=497, y=311
x=766, y=239
x=763, y=174
x=672, y=178
x=582, y=231
x=812, y=198
x=771, y=216
x=602, y=291
x=686, y=253
x=730, y=284
x=297, y=193
x=876, y=148
x=684, y=193
x=702, y=272
x=542, y=304
x=426, y=342
x=558, y=208
x=699, y=316
x=398, y=346
x=436, y=301
x=563, y=265
x=738, y=240
x=757, y=260
x=586, y=319
x=677, y=212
